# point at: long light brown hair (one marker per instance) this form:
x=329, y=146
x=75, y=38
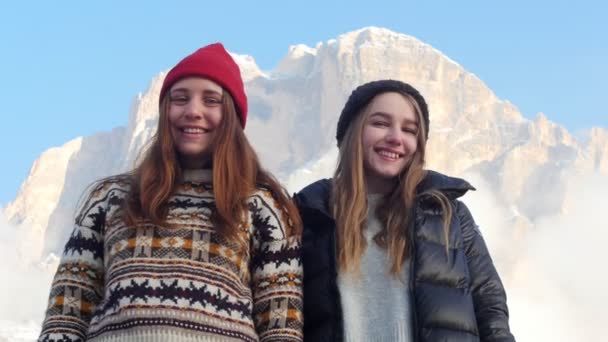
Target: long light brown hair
x=395, y=212
x=237, y=173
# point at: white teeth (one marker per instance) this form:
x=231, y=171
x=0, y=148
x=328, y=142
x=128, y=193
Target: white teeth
x=193, y=130
x=389, y=154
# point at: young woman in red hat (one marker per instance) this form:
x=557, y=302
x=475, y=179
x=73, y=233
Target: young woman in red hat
x=197, y=243
x=389, y=252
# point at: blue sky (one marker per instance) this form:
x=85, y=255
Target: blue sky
x=71, y=68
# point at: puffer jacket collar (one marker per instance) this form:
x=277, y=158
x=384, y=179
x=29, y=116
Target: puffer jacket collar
x=452, y=187
x=315, y=197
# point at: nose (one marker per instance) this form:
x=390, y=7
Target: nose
x=393, y=136
x=193, y=109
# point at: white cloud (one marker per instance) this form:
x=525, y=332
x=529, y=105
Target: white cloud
x=25, y=285
x=553, y=269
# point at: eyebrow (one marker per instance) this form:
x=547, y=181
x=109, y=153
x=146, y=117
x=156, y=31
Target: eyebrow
x=388, y=116
x=205, y=92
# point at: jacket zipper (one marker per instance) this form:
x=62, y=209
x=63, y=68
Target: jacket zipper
x=413, y=273
x=339, y=331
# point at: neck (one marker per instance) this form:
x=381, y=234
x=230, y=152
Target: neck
x=377, y=185
x=195, y=163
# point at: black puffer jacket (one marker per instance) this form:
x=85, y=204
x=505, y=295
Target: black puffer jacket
x=461, y=299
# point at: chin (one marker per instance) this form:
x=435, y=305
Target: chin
x=192, y=151
x=390, y=177
x=386, y=175
x=389, y=173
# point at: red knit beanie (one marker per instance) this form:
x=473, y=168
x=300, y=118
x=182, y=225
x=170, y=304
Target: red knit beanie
x=212, y=62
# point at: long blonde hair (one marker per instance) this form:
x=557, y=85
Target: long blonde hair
x=236, y=174
x=349, y=199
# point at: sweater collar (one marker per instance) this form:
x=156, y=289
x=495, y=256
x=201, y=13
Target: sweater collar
x=197, y=175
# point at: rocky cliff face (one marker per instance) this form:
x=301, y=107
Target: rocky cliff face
x=293, y=115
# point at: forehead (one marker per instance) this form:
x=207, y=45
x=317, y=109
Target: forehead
x=196, y=83
x=393, y=104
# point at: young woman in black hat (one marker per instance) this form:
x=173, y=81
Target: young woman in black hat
x=389, y=252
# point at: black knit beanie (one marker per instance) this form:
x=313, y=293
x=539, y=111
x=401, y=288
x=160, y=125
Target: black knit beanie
x=363, y=94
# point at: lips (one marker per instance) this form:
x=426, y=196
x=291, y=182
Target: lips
x=193, y=130
x=389, y=154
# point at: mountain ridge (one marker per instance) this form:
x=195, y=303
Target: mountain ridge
x=293, y=113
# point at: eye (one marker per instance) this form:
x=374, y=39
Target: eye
x=179, y=100
x=212, y=101
x=379, y=123
x=410, y=130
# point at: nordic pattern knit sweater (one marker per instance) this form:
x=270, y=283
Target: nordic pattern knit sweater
x=184, y=283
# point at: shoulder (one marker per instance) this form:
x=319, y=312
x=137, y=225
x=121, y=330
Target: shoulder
x=315, y=195
x=268, y=217
x=314, y=207
x=468, y=226
x=104, y=193
x=265, y=194
x=118, y=183
x=265, y=201
x=451, y=187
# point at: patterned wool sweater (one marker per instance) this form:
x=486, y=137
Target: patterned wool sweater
x=184, y=283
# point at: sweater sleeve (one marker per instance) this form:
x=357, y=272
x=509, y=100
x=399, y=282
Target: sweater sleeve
x=276, y=272
x=489, y=296
x=77, y=287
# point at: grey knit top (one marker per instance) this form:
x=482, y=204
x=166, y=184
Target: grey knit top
x=375, y=304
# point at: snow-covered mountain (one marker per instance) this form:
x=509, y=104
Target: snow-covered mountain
x=294, y=110
x=530, y=166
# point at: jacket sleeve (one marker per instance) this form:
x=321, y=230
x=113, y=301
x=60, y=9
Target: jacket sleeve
x=77, y=287
x=489, y=296
x=276, y=269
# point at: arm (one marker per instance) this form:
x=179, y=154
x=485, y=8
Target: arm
x=78, y=284
x=488, y=292
x=276, y=273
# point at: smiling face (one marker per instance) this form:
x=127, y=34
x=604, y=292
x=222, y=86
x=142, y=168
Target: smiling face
x=389, y=140
x=195, y=112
